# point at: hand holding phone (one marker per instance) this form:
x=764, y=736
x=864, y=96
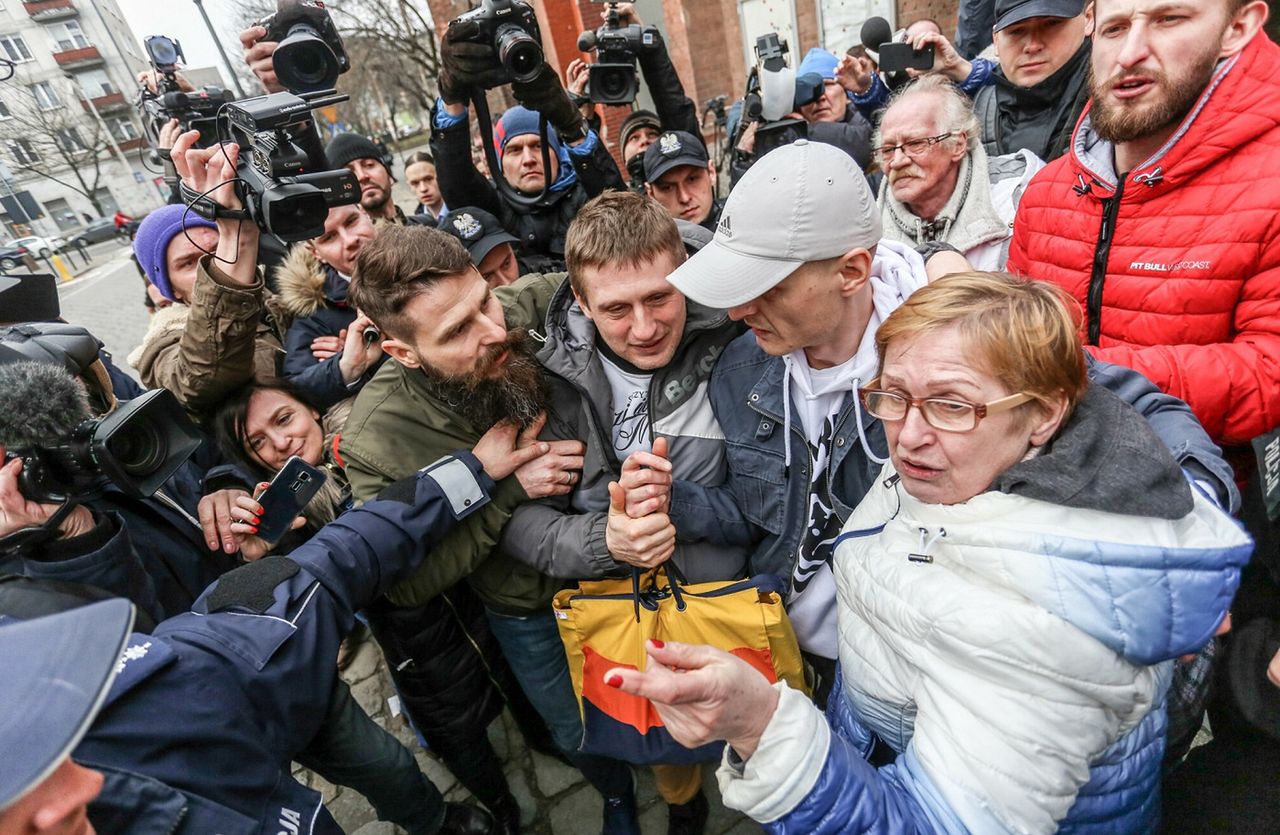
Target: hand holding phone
x=289, y=492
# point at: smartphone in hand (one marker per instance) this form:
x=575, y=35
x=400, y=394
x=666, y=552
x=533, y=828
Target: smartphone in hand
x=296, y=484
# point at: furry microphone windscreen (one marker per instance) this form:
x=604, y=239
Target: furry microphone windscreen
x=40, y=403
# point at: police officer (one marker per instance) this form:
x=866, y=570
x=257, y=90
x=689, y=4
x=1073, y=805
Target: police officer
x=191, y=729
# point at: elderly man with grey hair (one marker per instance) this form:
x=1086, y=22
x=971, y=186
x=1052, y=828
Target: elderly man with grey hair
x=939, y=184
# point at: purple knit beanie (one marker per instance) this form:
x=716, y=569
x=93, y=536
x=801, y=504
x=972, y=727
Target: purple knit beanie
x=151, y=243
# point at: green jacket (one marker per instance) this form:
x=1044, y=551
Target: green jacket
x=396, y=427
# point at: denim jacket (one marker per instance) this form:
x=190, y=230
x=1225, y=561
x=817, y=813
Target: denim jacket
x=763, y=506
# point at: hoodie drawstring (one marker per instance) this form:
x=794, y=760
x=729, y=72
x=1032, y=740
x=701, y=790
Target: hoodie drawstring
x=857, y=418
x=923, y=555
x=786, y=416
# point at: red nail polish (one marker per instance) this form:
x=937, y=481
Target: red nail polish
x=255, y=520
x=253, y=530
x=656, y=643
x=614, y=681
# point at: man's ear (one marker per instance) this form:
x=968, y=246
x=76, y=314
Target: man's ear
x=582, y=303
x=855, y=271
x=1089, y=20
x=1243, y=25
x=711, y=170
x=401, y=353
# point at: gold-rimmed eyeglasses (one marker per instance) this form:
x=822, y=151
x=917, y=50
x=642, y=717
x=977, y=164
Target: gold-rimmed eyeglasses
x=943, y=413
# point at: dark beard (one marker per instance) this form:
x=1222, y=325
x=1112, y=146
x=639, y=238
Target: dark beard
x=519, y=394
x=1118, y=125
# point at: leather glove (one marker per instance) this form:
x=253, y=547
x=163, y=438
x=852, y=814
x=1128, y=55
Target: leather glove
x=467, y=65
x=546, y=96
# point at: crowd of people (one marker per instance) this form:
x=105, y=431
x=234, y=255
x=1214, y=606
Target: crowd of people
x=985, y=372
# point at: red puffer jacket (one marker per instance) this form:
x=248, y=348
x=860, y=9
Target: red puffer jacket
x=1178, y=267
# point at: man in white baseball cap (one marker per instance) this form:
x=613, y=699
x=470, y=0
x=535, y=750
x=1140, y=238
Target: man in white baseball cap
x=798, y=257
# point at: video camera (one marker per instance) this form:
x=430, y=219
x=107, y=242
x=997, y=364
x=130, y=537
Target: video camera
x=511, y=28
x=282, y=177
x=194, y=109
x=612, y=78
x=309, y=54
x=137, y=448
x=771, y=94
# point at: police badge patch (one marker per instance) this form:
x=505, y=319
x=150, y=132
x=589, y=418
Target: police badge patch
x=669, y=144
x=466, y=224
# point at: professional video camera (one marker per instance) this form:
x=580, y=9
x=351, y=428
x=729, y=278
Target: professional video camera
x=612, y=78
x=194, y=109
x=772, y=92
x=511, y=28
x=282, y=177
x=137, y=448
x=309, y=56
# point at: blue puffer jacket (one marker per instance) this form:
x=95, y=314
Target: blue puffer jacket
x=1014, y=651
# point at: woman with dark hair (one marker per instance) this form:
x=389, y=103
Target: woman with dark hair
x=262, y=426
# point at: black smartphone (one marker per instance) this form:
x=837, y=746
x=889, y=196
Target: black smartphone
x=895, y=57
x=296, y=484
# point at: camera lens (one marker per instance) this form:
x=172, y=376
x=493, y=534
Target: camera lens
x=139, y=448
x=614, y=83
x=304, y=62
x=519, y=53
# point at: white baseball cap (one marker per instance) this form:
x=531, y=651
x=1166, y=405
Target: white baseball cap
x=803, y=202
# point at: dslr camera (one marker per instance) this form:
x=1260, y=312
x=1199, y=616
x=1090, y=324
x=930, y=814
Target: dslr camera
x=612, y=78
x=310, y=55
x=282, y=177
x=511, y=28
x=194, y=110
x=137, y=448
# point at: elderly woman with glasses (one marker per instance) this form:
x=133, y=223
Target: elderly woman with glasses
x=1011, y=595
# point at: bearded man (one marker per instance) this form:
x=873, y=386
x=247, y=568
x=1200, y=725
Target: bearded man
x=1161, y=219
x=462, y=362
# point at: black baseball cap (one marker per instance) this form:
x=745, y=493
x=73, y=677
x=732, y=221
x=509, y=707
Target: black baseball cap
x=478, y=230
x=673, y=148
x=1009, y=12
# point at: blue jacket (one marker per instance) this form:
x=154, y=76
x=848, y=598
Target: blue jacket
x=761, y=504
x=199, y=727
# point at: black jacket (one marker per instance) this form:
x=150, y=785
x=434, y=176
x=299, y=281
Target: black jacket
x=541, y=230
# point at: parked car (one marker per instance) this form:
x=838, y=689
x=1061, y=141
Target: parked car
x=37, y=246
x=11, y=255
x=97, y=230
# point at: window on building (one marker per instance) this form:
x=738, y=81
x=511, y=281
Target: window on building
x=14, y=48
x=122, y=128
x=95, y=83
x=69, y=139
x=67, y=36
x=45, y=95
x=24, y=153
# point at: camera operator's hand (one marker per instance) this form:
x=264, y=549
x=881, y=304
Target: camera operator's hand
x=946, y=60
x=356, y=355
x=18, y=512
x=258, y=55
x=149, y=79
x=169, y=135
x=213, y=170
x=578, y=74
x=626, y=15
x=466, y=65
x=855, y=74
x=747, y=144
x=545, y=95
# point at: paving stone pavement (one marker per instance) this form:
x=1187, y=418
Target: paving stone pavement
x=553, y=798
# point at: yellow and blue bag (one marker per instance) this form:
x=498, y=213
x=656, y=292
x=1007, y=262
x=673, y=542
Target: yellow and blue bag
x=604, y=624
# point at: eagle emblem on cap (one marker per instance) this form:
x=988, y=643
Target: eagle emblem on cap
x=467, y=225
x=669, y=144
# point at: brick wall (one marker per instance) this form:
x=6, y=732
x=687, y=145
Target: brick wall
x=943, y=11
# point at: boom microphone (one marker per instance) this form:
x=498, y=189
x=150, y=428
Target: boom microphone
x=876, y=32
x=41, y=404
